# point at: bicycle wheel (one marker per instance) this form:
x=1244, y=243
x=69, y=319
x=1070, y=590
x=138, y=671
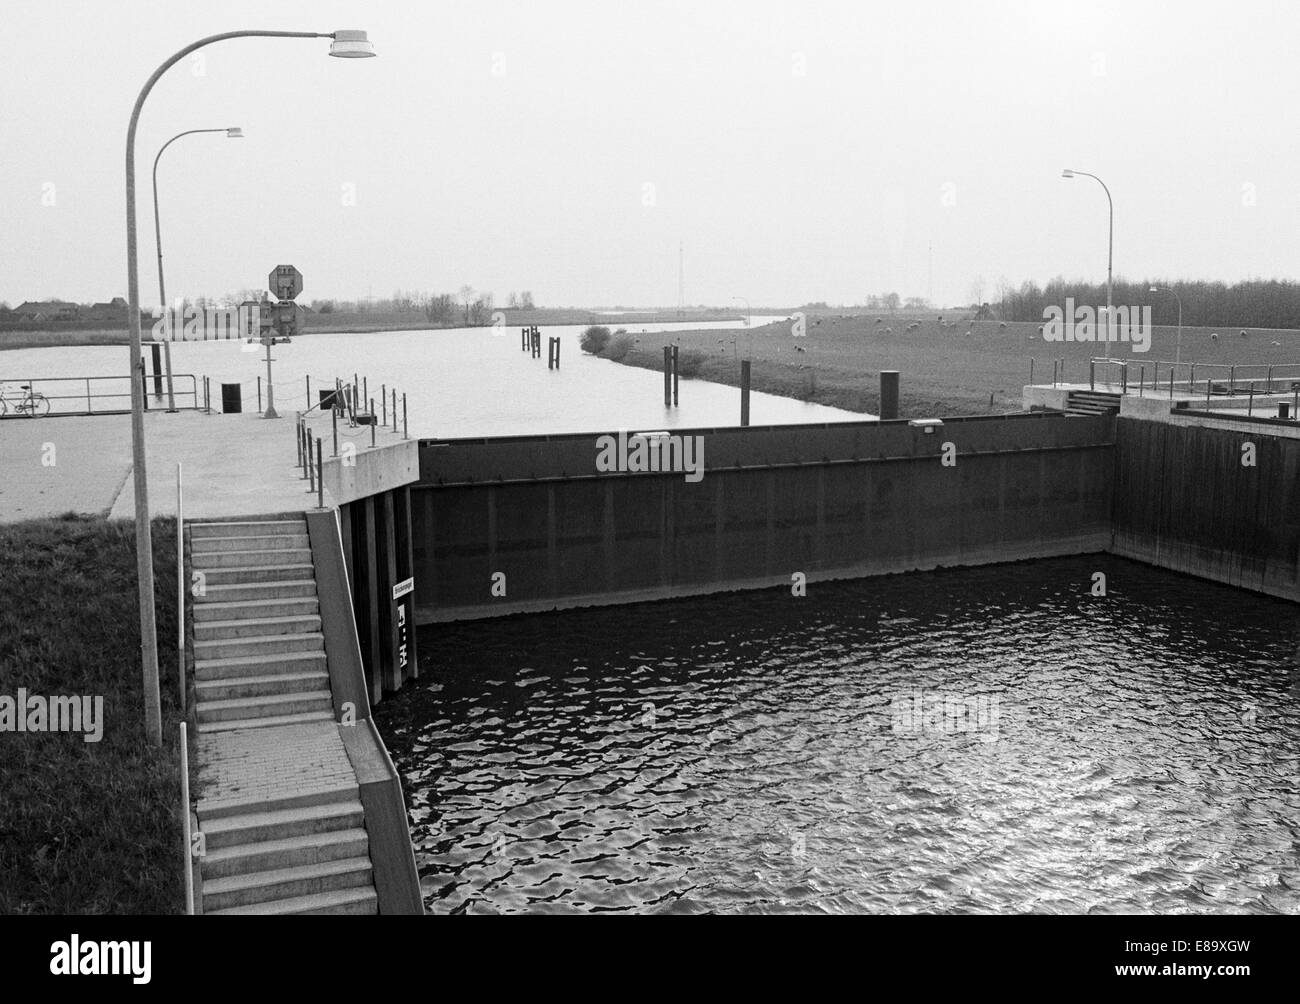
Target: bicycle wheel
x=4, y=408
x=40, y=405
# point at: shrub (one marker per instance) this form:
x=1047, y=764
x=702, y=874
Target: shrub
x=594, y=339
x=619, y=347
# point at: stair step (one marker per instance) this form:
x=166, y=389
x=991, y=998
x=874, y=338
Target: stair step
x=288, y=852
x=280, y=824
x=241, y=592
x=358, y=900
x=232, y=648
x=235, y=687
x=245, y=575
x=252, y=528
x=256, y=558
x=343, y=794
x=256, y=627
x=234, y=610
x=243, y=724
x=284, y=883
x=273, y=542
x=242, y=667
x=267, y=706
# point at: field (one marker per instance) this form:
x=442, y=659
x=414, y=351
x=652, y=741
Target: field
x=943, y=370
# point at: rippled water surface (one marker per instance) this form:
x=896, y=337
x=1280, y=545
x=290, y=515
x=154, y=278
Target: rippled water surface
x=754, y=752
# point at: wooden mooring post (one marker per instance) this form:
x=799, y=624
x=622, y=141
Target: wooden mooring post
x=744, y=392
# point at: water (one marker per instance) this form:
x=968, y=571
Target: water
x=746, y=752
x=458, y=382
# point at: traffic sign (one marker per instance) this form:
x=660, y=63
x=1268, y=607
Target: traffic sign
x=285, y=282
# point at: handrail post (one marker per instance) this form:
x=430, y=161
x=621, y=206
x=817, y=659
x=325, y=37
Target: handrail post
x=89, y=407
x=180, y=587
x=394, y=409
x=1232, y=379
x=334, y=415
x=372, y=423
x=1092, y=374
x=383, y=401
x=259, y=393
x=297, y=435
x=1269, y=388
x=185, y=821
x=308, y=391
x=1250, y=400
x=311, y=467
x=405, y=429
x=320, y=476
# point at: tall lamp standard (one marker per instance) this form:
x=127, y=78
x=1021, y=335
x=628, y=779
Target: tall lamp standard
x=347, y=44
x=1110, y=258
x=1178, y=350
x=232, y=132
x=748, y=309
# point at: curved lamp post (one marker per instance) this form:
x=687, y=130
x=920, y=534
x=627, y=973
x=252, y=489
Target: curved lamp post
x=232, y=132
x=1178, y=358
x=1110, y=258
x=347, y=44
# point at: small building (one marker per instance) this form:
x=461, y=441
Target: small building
x=48, y=310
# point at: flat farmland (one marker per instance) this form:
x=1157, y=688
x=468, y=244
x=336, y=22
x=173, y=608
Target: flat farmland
x=951, y=367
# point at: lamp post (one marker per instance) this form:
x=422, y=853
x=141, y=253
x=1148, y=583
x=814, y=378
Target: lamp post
x=232, y=132
x=1178, y=356
x=347, y=44
x=1110, y=257
x=748, y=309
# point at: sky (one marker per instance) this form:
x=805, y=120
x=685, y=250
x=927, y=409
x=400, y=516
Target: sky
x=793, y=151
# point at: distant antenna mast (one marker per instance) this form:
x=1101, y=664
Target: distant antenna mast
x=681, y=281
x=929, y=286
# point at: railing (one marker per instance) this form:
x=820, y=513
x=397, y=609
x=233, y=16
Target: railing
x=86, y=391
x=1156, y=376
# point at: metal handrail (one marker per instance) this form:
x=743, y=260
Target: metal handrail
x=86, y=395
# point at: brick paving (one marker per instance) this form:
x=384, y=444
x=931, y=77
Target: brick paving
x=251, y=766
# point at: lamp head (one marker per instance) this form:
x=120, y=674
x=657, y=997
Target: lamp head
x=234, y=132
x=1155, y=289
x=351, y=45
x=1067, y=173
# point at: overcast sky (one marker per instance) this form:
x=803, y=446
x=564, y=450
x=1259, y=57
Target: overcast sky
x=800, y=151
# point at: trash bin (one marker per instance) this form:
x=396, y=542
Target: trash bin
x=1283, y=409
x=327, y=399
x=231, y=402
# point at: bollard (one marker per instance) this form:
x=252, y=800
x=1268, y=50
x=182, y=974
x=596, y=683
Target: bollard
x=888, y=395
x=744, y=392
x=404, y=428
x=320, y=477
x=675, y=376
x=1092, y=374
x=372, y=423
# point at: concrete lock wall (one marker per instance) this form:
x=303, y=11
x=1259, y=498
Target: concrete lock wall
x=1186, y=501
x=828, y=501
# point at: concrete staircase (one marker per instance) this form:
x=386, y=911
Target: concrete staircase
x=297, y=854
x=259, y=655
x=1091, y=402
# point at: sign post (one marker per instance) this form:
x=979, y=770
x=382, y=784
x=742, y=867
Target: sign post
x=285, y=282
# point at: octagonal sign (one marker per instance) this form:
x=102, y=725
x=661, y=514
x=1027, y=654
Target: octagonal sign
x=285, y=282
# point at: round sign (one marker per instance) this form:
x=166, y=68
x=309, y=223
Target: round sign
x=285, y=282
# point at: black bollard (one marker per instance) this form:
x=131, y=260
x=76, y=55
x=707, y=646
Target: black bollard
x=888, y=395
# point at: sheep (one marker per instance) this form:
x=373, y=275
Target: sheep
x=800, y=348
x=1243, y=334
x=1214, y=336
x=1276, y=344
x=889, y=331
x=1002, y=326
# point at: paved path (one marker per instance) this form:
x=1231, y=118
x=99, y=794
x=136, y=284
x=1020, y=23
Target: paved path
x=233, y=465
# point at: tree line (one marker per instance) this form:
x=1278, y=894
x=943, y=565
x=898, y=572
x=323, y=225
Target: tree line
x=1252, y=303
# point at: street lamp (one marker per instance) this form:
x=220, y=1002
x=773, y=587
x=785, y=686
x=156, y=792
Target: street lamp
x=1178, y=357
x=347, y=44
x=232, y=132
x=748, y=309
x=1110, y=258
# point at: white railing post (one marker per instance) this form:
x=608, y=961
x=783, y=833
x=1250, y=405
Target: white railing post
x=185, y=821
x=180, y=589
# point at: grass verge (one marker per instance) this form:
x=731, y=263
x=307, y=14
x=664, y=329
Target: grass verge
x=87, y=827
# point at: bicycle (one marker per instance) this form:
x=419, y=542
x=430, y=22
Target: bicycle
x=32, y=404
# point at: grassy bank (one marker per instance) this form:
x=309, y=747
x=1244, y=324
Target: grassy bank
x=944, y=371
x=87, y=827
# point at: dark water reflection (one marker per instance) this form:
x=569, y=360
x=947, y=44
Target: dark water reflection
x=756, y=752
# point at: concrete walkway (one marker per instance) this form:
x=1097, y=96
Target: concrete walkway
x=233, y=465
